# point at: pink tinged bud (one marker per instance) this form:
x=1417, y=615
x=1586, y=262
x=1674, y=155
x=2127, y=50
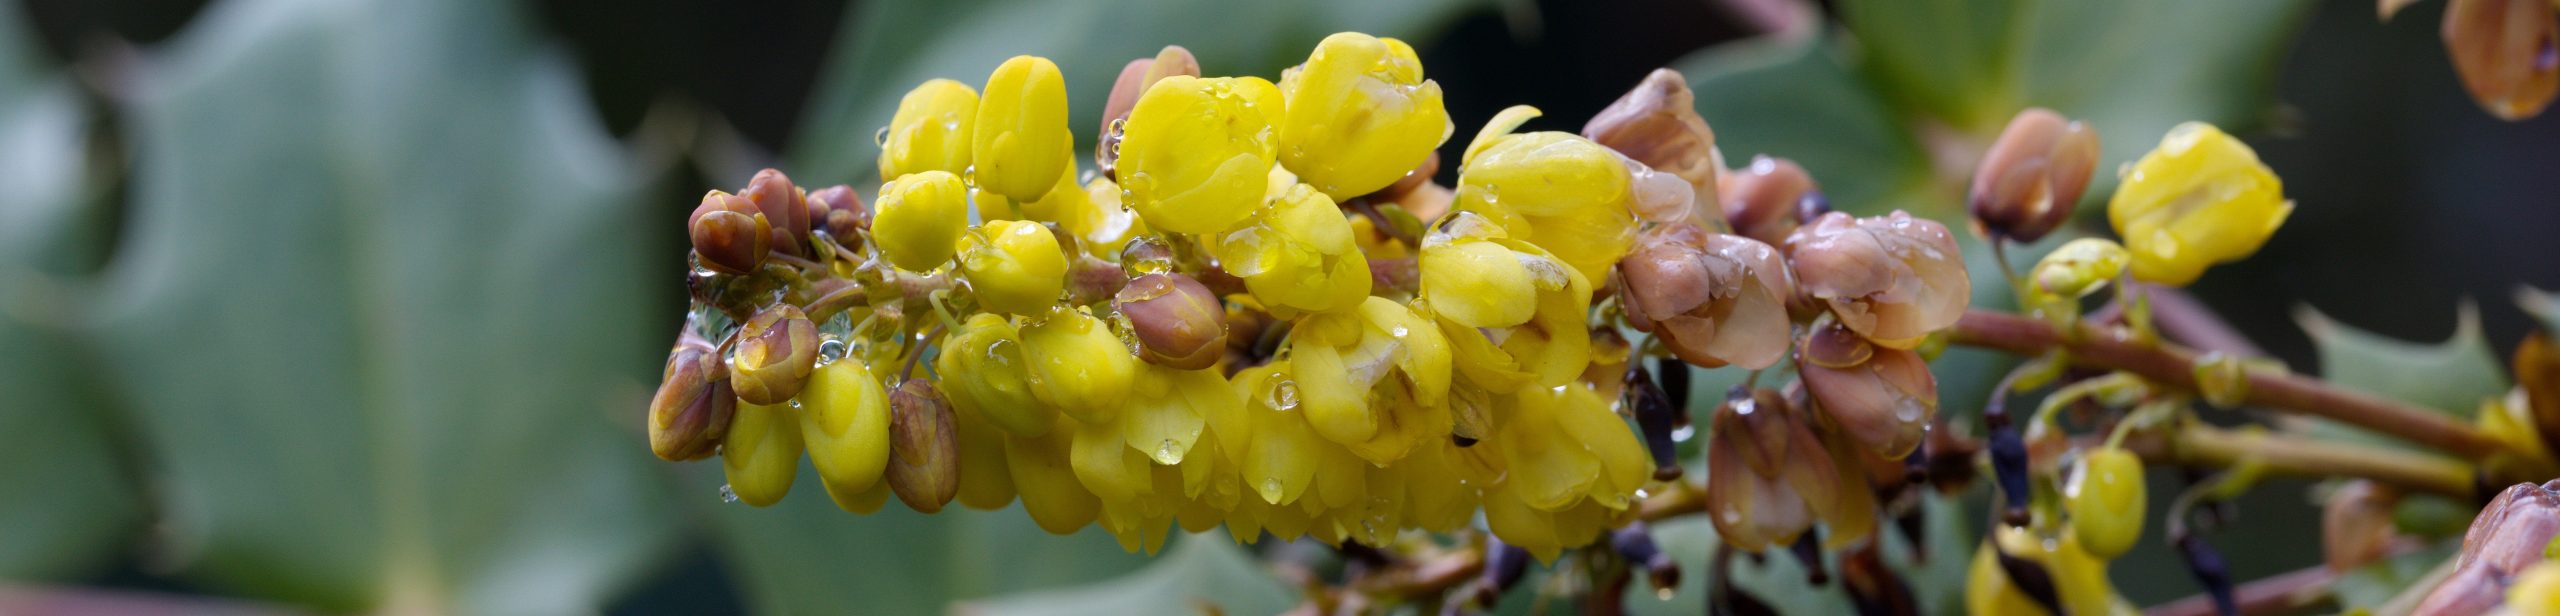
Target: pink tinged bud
x=2504, y=51
x=691, y=411
x=1880, y=396
x=839, y=211
x=1893, y=278
x=1133, y=81
x=729, y=235
x=1768, y=477
x=924, y=447
x=1179, y=323
x=2355, y=524
x=1763, y=201
x=2032, y=178
x=2509, y=536
x=785, y=207
x=1715, y=299
x=777, y=348
x=1657, y=124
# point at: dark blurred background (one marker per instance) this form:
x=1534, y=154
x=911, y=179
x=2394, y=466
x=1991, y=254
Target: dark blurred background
x=2412, y=201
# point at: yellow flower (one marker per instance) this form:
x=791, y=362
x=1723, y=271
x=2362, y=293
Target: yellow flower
x=2202, y=198
x=1014, y=266
x=985, y=375
x=1375, y=380
x=1196, y=152
x=1077, y=365
x=1504, y=337
x=1362, y=115
x=844, y=419
x=1557, y=190
x=920, y=218
x=1020, y=142
x=1297, y=254
x=2105, y=497
x=930, y=131
x=761, y=453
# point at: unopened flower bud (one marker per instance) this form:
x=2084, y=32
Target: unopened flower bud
x=729, y=234
x=1178, y=322
x=1656, y=416
x=931, y=131
x=1881, y=396
x=1715, y=299
x=2105, y=496
x=785, y=207
x=693, y=406
x=924, y=450
x=1635, y=544
x=1134, y=79
x=1015, y=266
x=1361, y=115
x=2355, y=524
x=1504, y=563
x=2077, y=268
x=2503, y=50
x=1892, y=278
x=2510, y=536
x=776, y=350
x=838, y=210
x=1761, y=200
x=1768, y=476
x=761, y=454
x=2201, y=198
x=1196, y=154
x=1021, y=143
x=2032, y=177
x=1657, y=124
x=920, y=219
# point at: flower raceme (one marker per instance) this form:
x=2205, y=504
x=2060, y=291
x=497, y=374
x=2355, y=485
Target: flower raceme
x=1262, y=313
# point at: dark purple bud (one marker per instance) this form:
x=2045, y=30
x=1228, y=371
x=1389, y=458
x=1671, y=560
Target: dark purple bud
x=1654, y=412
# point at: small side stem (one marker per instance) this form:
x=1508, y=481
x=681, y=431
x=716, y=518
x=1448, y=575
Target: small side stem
x=2282, y=594
x=2174, y=366
x=2201, y=445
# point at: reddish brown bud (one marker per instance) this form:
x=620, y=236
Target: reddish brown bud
x=2509, y=536
x=1178, y=322
x=691, y=411
x=1892, y=278
x=785, y=207
x=1884, y=402
x=2031, y=179
x=729, y=235
x=1133, y=81
x=1657, y=124
x=2504, y=51
x=1713, y=298
x=924, y=447
x=1768, y=476
x=2355, y=524
x=1762, y=201
x=777, y=348
x=839, y=211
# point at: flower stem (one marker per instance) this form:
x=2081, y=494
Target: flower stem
x=2174, y=366
x=2203, y=445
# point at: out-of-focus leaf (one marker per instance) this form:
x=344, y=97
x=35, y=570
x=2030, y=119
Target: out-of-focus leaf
x=2371, y=586
x=65, y=498
x=893, y=45
x=1893, y=113
x=2451, y=376
x=1937, y=582
x=1197, y=573
x=1792, y=96
x=2543, y=305
x=379, y=296
x=805, y=556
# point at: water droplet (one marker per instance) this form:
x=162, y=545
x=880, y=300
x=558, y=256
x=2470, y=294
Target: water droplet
x=1907, y=410
x=795, y=404
x=1397, y=331
x=830, y=349
x=1169, y=452
x=880, y=137
x=727, y=494
x=1281, y=395
x=1682, y=434
x=1663, y=594
x=1271, y=489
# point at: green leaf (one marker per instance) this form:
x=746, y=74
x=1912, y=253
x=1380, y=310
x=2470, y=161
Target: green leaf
x=2451, y=376
x=2543, y=305
x=66, y=493
x=379, y=300
x=1199, y=571
x=891, y=46
x=2371, y=586
x=1791, y=96
x=805, y=556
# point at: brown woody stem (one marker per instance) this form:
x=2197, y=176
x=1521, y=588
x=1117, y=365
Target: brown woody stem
x=2282, y=594
x=2174, y=366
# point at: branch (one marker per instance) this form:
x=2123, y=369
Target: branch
x=2276, y=595
x=2174, y=366
x=2208, y=446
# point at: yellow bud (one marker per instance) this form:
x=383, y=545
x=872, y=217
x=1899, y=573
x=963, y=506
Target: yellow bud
x=1077, y=365
x=1475, y=280
x=1021, y=143
x=2105, y=498
x=920, y=218
x=1362, y=115
x=931, y=130
x=1014, y=266
x=2078, y=268
x=1197, y=152
x=761, y=453
x=1297, y=253
x=2202, y=198
x=2536, y=592
x=983, y=367
x=844, y=418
